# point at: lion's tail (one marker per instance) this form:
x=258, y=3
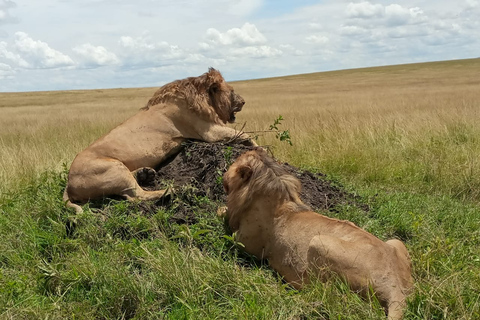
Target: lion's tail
x=69, y=204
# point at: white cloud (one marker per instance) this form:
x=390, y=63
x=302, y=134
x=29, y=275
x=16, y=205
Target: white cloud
x=408, y=32
x=246, y=39
x=352, y=30
x=371, y=15
x=95, y=55
x=397, y=15
x=315, y=26
x=256, y=52
x=195, y=58
x=12, y=57
x=243, y=7
x=239, y=43
x=472, y=3
x=248, y=34
x=143, y=51
x=5, y=16
x=317, y=39
x=291, y=49
x=38, y=54
x=364, y=10
x=446, y=27
x=6, y=71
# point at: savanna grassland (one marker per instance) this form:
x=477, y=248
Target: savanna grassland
x=405, y=138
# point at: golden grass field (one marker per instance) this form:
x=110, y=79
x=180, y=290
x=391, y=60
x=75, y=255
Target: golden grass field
x=429, y=111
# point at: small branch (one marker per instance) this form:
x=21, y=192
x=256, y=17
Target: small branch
x=261, y=131
x=238, y=134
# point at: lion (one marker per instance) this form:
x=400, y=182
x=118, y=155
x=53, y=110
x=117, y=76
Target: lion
x=193, y=108
x=269, y=219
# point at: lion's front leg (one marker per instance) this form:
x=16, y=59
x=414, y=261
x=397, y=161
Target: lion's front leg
x=218, y=133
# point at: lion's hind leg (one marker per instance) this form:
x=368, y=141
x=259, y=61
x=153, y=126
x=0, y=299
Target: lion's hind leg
x=133, y=191
x=144, y=176
x=402, y=250
x=78, y=209
x=107, y=177
x=404, y=281
x=118, y=180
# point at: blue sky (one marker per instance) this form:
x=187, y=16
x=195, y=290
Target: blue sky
x=89, y=44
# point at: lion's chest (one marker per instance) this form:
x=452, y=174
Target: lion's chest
x=253, y=234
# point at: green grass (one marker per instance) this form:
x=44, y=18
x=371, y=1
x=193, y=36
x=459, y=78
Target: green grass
x=438, y=161
x=122, y=263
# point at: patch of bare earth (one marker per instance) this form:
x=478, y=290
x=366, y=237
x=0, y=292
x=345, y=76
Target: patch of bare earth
x=197, y=170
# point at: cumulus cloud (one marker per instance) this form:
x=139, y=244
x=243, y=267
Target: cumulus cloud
x=368, y=14
x=38, y=54
x=11, y=57
x=143, y=51
x=243, y=7
x=352, y=30
x=256, y=52
x=93, y=56
x=5, y=16
x=397, y=15
x=248, y=34
x=291, y=49
x=238, y=43
x=317, y=39
x=448, y=27
x=407, y=32
x=300, y=37
x=472, y=3
x=6, y=71
x=364, y=10
x=315, y=26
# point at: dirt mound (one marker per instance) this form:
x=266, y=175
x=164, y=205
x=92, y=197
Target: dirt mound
x=198, y=169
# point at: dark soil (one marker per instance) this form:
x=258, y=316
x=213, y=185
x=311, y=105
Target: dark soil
x=198, y=169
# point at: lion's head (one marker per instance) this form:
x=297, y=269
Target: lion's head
x=208, y=95
x=255, y=175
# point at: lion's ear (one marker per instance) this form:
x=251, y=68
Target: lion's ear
x=245, y=172
x=214, y=87
x=215, y=79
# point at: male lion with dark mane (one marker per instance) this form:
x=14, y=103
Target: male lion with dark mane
x=270, y=220
x=192, y=108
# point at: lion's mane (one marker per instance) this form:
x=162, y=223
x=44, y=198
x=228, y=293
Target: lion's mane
x=268, y=179
x=199, y=93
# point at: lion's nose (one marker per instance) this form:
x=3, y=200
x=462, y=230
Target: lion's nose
x=242, y=102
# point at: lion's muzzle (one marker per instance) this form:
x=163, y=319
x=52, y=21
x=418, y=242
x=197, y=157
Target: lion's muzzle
x=237, y=104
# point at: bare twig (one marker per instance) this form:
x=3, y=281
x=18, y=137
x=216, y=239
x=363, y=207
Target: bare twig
x=238, y=134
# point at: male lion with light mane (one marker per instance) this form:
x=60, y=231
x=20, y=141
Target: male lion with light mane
x=192, y=108
x=270, y=220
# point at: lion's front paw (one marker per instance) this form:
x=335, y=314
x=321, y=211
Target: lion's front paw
x=246, y=140
x=222, y=212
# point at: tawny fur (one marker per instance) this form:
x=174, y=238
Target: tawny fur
x=270, y=220
x=192, y=108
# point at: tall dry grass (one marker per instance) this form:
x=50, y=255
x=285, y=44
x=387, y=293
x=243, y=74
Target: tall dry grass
x=413, y=124
x=44, y=130
x=416, y=123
